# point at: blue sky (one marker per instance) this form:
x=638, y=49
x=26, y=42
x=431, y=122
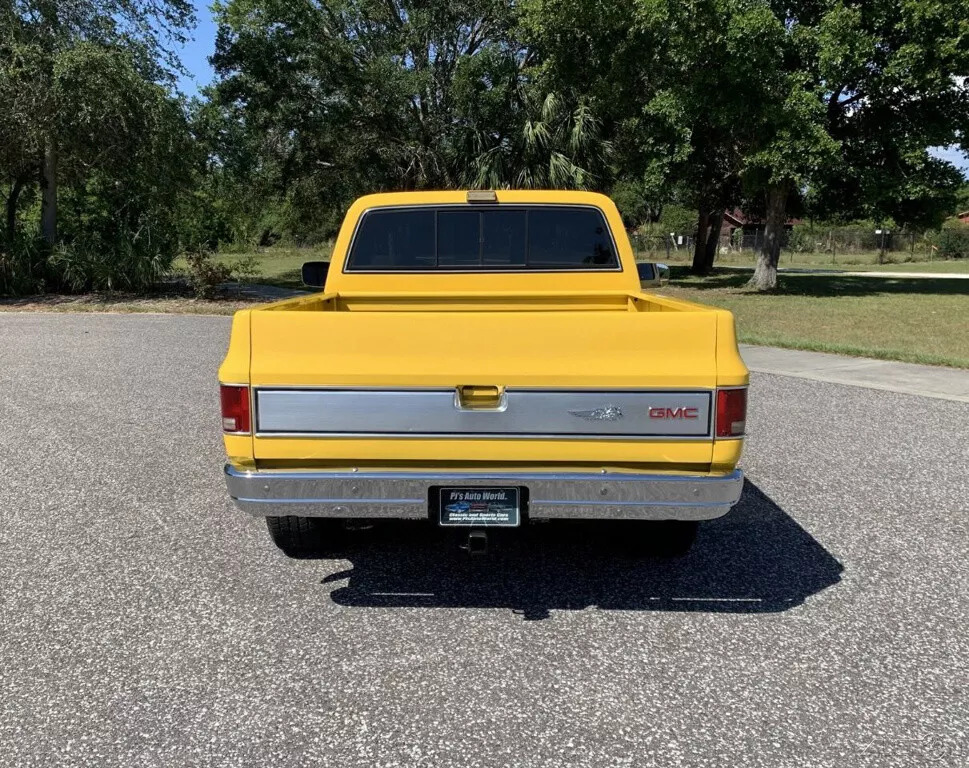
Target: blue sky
x=195, y=54
x=954, y=156
x=195, y=58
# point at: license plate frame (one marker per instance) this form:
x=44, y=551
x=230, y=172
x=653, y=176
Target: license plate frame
x=479, y=507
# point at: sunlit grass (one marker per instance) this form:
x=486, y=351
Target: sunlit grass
x=919, y=320
x=849, y=262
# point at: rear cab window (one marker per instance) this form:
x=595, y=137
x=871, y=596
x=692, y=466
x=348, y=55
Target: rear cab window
x=500, y=238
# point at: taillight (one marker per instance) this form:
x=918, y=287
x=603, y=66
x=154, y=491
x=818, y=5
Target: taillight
x=235, y=409
x=731, y=412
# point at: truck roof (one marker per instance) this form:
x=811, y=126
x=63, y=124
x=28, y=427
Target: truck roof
x=625, y=278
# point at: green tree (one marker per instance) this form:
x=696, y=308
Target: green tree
x=127, y=162
x=961, y=200
x=553, y=148
x=328, y=101
x=36, y=38
x=672, y=82
x=323, y=102
x=871, y=86
x=90, y=135
x=763, y=99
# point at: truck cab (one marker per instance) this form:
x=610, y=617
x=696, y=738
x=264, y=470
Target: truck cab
x=483, y=359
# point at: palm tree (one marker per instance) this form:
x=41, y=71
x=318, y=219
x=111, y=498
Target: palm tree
x=554, y=148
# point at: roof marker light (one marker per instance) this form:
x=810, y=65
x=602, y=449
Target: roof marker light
x=482, y=196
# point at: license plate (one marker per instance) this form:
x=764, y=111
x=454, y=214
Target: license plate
x=480, y=507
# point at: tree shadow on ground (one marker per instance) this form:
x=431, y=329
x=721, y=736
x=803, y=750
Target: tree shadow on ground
x=757, y=559
x=827, y=284
x=291, y=278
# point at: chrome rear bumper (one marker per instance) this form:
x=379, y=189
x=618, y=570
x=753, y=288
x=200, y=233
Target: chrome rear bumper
x=606, y=495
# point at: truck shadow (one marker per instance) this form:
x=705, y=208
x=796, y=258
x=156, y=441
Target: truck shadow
x=757, y=559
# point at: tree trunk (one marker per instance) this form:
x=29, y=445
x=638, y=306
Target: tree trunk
x=765, y=275
x=12, y=199
x=48, y=191
x=713, y=241
x=700, y=244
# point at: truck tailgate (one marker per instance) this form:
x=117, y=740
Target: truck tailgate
x=572, y=386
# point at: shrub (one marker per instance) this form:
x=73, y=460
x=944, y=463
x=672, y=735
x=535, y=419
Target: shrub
x=125, y=265
x=678, y=220
x=246, y=269
x=801, y=240
x=21, y=267
x=205, y=274
x=28, y=265
x=954, y=242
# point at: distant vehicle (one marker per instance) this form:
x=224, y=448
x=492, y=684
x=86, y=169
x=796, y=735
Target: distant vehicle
x=497, y=345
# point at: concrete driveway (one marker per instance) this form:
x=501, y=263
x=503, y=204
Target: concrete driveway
x=145, y=622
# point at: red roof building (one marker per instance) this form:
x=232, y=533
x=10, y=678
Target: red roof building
x=738, y=219
x=743, y=231
x=751, y=227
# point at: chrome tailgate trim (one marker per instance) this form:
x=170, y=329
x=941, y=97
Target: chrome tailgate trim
x=645, y=413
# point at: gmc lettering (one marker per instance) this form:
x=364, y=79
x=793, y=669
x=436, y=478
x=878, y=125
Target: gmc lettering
x=674, y=413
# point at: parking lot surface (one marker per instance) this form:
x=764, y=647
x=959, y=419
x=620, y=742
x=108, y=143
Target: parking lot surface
x=146, y=622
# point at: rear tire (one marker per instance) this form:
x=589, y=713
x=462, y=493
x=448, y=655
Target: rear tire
x=302, y=537
x=674, y=538
x=660, y=538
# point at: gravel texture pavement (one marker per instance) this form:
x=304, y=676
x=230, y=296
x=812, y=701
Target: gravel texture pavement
x=145, y=622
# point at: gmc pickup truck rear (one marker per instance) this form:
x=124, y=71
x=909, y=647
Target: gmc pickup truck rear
x=482, y=359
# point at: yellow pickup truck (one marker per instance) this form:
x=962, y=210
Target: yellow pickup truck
x=478, y=360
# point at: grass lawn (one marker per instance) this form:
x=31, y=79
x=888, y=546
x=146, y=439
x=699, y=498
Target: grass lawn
x=866, y=262
x=918, y=320
x=280, y=266
x=952, y=267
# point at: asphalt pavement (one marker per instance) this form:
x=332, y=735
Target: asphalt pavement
x=146, y=622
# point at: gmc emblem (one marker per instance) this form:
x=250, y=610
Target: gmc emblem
x=674, y=413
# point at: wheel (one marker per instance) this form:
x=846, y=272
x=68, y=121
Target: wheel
x=655, y=538
x=669, y=538
x=303, y=536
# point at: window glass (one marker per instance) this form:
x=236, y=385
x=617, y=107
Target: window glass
x=458, y=238
x=503, y=238
x=483, y=238
x=394, y=240
x=567, y=238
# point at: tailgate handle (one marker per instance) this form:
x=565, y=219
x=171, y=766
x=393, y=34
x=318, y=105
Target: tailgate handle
x=474, y=397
